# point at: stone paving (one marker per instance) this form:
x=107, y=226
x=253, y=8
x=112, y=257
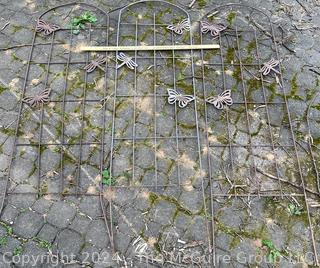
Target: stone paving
x=41, y=229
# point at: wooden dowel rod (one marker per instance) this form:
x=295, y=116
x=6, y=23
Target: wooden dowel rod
x=147, y=48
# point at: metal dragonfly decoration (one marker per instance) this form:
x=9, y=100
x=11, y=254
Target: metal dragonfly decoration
x=126, y=60
x=95, y=64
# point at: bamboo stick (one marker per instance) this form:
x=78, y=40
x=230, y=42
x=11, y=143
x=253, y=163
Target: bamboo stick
x=148, y=48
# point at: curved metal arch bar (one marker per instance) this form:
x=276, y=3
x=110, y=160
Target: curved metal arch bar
x=153, y=1
x=239, y=5
x=74, y=3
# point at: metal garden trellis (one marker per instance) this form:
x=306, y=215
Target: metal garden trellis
x=196, y=105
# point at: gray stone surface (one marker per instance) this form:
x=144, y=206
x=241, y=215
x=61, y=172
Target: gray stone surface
x=69, y=242
x=61, y=214
x=28, y=224
x=74, y=224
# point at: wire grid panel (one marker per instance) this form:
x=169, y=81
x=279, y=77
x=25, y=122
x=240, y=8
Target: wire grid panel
x=251, y=145
x=156, y=145
x=65, y=137
x=173, y=169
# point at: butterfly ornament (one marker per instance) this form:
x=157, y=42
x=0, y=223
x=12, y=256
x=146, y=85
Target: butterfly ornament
x=177, y=97
x=222, y=100
x=41, y=98
x=95, y=63
x=214, y=29
x=126, y=60
x=46, y=28
x=270, y=66
x=179, y=28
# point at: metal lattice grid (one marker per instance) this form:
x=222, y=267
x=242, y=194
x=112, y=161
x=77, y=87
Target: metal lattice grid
x=159, y=154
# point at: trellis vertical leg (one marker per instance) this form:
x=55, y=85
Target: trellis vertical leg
x=212, y=246
x=83, y=111
x=310, y=143
x=227, y=110
x=201, y=174
x=102, y=155
x=244, y=90
x=62, y=148
x=155, y=101
x=176, y=110
x=42, y=115
x=267, y=111
x=134, y=107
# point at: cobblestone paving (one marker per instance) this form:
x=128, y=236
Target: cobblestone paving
x=42, y=229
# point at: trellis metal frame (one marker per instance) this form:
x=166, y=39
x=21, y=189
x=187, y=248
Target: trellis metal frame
x=106, y=205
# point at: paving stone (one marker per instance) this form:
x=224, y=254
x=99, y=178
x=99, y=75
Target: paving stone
x=69, y=242
x=28, y=224
x=23, y=201
x=80, y=224
x=35, y=254
x=10, y=245
x=4, y=261
x=42, y=205
x=4, y=161
x=22, y=171
x=191, y=200
x=61, y=214
x=144, y=157
x=164, y=212
x=90, y=254
x=9, y=214
x=97, y=234
x=48, y=232
x=10, y=102
x=91, y=206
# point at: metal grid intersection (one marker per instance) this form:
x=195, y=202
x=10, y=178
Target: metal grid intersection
x=124, y=123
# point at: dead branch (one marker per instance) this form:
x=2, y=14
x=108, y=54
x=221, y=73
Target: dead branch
x=288, y=182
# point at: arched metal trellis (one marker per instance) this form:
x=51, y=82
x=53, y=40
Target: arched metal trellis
x=188, y=129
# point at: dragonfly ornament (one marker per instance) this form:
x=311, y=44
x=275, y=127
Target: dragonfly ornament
x=41, y=98
x=222, y=100
x=95, y=63
x=214, y=29
x=126, y=60
x=177, y=97
x=270, y=66
x=180, y=27
x=46, y=28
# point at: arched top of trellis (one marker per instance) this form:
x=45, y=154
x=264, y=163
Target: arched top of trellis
x=250, y=16
x=70, y=5
x=62, y=15
x=154, y=1
x=238, y=5
x=159, y=6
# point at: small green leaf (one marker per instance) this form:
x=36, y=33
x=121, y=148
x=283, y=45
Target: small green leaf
x=3, y=241
x=294, y=210
x=17, y=251
x=78, y=23
x=267, y=243
x=273, y=252
x=106, y=174
x=106, y=178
